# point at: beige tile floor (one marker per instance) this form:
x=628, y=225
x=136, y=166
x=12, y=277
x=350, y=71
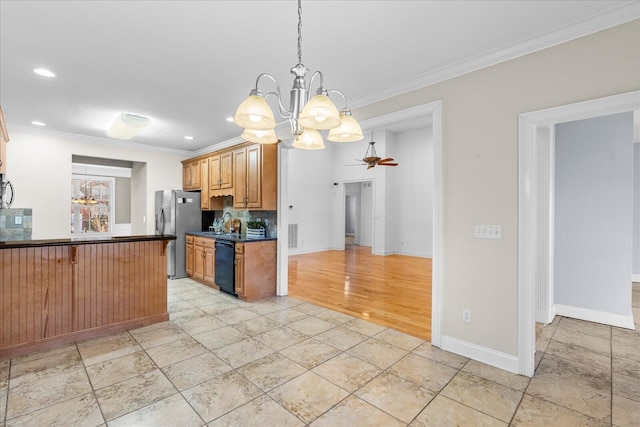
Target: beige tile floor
x=283, y=362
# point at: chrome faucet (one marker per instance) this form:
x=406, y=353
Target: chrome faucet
x=230, y=222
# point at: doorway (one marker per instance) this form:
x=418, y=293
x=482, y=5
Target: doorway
x=358, y=215
x=534, y=242
x=427, y=114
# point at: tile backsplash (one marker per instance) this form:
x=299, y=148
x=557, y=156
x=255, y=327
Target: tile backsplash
x=16, y=224
x=245, y=215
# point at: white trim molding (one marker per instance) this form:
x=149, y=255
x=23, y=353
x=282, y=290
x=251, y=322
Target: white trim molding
x=529, y=250
x=635, y=278
x=611, y=319
x=482, y=354
x=627, y=12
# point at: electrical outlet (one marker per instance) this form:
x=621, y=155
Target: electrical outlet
x=466, y=315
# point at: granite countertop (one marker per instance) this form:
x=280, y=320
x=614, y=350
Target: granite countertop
x=81, y=240
x=232, y=237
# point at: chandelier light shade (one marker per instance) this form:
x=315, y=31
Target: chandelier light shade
x=127, y=125
x=255, y=113
x=306, y=116
x=310, y=139
x=348, y=131
x=319, y=113
x=267, y=136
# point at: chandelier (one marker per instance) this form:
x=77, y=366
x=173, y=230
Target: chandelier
x=84, y=200
x=306, y=116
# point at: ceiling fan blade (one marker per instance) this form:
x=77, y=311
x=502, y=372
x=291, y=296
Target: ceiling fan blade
x=388, y=164
x=370, y=166
x=388, y=159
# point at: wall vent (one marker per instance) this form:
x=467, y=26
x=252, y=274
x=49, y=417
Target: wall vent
x=293, y=236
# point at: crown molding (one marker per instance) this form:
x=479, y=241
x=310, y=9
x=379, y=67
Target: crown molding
x=618, y=16
x=97, y=140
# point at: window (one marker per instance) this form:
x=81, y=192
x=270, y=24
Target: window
x=92, y=202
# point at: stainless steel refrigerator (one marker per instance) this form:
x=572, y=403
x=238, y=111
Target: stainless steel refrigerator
x=176, y=213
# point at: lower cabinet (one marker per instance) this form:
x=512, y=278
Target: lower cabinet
x=255, y=270
x=201, y=259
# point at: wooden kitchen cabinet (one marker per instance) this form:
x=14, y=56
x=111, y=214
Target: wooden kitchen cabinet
x=205, y=198
x=189, y=256
x=204, y=260
x=239, y=269
x=4, y=138
x=255, y=175
x=255, y=270
x=221, y=174
x=191, y=175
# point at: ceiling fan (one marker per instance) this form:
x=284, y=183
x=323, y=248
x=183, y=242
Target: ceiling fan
x=371, y=158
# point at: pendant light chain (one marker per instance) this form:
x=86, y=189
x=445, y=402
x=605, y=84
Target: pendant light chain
x=306, y=115
x=299, y=31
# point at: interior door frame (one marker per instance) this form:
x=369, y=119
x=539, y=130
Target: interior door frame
x=533, y=264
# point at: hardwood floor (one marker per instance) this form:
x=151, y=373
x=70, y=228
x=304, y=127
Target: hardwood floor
x=394, y=290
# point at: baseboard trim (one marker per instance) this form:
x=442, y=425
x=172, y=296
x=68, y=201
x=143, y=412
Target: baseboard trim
x=482, y=354
x=605, y=318
x=635, y=277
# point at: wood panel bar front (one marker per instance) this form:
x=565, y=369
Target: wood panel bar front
x=55, y=294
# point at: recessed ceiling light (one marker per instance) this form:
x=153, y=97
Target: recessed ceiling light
x=188, y=137
x=230, y=119
x=43, y=72
x=36, y=123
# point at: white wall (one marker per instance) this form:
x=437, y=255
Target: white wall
x=480, y=167
x=593, y=214
x=39, y=166
x=366, y=213
x=311, y=195
x=636, y=212
x=412, y=191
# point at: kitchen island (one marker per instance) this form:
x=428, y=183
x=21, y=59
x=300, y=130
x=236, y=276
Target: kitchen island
x=63, y=290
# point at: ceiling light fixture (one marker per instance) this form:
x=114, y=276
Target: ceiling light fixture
x=127, y=125
x=37, y=123
x=43, y=72
x=189, y=137
x=305, y=115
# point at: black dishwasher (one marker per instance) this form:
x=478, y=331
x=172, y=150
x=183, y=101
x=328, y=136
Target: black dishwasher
x=225, y=263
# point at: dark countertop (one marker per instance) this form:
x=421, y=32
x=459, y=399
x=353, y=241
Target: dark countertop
x=233, y=237
x=12, y=244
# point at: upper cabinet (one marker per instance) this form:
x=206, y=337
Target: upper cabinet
x=248, y=172
x=4, y=138
x=191, y=175
x=255, y=177
x=221, y=174
x=205, y=198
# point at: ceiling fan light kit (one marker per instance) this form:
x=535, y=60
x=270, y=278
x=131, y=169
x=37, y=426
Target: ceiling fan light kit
x=371, y=158
x=306, y=116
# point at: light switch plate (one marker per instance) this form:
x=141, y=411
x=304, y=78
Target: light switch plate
x=488, y=232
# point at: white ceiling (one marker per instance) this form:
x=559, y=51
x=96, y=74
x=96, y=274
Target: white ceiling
x=188, y=64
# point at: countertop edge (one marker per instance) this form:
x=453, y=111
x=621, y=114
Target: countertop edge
x=15, y=244
x=241, y=238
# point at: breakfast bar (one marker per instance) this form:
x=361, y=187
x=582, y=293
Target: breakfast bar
x=63, y=290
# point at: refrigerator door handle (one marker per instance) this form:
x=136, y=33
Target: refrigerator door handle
x=160, y=221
